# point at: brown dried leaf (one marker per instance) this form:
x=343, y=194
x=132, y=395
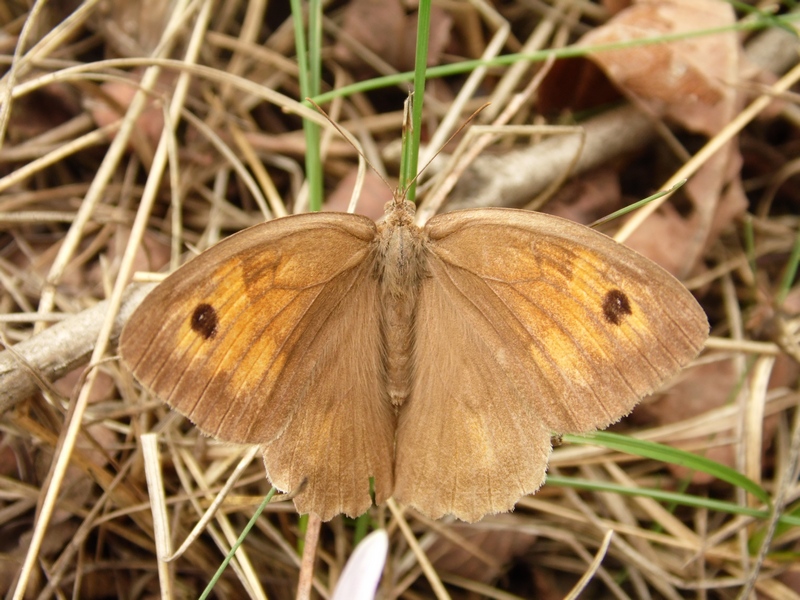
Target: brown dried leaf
x=588, y=197
x=384, y=29
x=493, y=550
x=687, y=81
x=115, y=98
x=371, y=202
x=700, y=390
x=655, y=238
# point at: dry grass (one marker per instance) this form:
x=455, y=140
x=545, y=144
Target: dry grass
x=131, y=134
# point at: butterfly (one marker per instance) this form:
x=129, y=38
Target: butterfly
x=429, y=363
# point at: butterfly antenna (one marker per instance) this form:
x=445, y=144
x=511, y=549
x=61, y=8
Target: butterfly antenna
x=427, y=164
x=349, y=141
x=450, y=139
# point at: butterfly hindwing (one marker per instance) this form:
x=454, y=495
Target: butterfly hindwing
x=469, y=442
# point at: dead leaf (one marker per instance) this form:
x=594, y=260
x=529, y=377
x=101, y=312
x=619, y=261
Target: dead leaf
x=371, y=202
x=587, y=197
x=383, y=29
x=700, y=390
x=687, y=81
x=485, y=551
x=115, y=98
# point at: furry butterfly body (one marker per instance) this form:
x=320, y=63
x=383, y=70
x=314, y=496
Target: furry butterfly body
x=437, y=360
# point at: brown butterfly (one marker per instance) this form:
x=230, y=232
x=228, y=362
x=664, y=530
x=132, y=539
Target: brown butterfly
x=436, y=360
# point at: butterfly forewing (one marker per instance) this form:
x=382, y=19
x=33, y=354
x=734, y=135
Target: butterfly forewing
x=597, y=325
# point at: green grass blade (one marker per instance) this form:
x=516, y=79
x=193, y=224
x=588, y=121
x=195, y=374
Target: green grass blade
x=310, y=72
x=674, y=456
x=238, y=543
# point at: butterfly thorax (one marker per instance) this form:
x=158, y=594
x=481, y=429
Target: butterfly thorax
x=400, y=265
x=400, y=250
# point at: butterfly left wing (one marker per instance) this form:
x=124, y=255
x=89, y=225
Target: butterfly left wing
x=527, y=324
x=272, y=337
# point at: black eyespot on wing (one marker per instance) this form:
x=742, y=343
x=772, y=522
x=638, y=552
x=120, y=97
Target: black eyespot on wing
x=204, y=320
x=616, y=306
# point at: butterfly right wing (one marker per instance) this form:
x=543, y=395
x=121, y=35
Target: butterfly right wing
x=272, y=337
x=527, y=324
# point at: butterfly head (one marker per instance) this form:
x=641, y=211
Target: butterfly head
x=399, y=211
